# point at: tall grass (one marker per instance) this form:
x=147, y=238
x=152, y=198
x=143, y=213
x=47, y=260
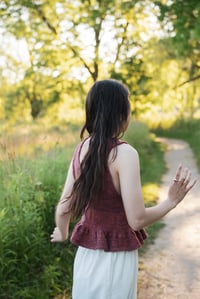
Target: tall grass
x=30, y=266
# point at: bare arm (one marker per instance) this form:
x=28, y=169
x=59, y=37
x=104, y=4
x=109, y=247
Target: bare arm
x=62, y=216
x=138, y=215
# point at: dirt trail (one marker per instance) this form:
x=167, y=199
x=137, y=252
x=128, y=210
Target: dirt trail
x=171, y=266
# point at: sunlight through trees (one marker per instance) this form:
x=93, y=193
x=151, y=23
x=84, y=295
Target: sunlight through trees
x=51, y=52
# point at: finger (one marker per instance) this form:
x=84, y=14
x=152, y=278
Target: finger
x=55, y=241
x=178, y=172
x=188, y=178
x=184, y=175
x=52, y=239
x=191, y=185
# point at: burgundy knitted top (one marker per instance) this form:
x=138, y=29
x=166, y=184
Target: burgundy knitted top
x=104, y=224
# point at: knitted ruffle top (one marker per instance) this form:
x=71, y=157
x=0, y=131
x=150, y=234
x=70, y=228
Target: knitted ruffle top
x=104, y=224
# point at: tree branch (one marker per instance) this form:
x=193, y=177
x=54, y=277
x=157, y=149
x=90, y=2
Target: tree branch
x=44, y=18
x=41, y=14
x=188, y=81
x=121, y=44
x=83, y=62
x=94, y=73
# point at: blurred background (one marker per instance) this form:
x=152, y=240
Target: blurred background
x=51, y=52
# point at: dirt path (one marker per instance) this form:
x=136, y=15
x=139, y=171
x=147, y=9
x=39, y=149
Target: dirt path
x=171, y=267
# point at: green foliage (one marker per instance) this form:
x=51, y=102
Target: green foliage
x=66, y=46
x=136, y=84
x=31, y=267
x=70, y=44
x=184, y=33
x=184, y=15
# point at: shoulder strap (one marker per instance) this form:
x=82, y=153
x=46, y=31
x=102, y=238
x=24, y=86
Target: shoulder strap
x=113, y=143
x=76, y=157
x=121, y=142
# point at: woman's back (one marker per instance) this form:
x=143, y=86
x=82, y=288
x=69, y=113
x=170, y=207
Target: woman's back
x=112, y=164
x=104, y=223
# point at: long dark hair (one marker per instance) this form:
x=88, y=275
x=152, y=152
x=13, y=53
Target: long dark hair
x=107, y=112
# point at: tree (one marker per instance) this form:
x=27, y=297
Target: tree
x=72, y=40
x=136, y=82
x=184, y=18
x=181, y=20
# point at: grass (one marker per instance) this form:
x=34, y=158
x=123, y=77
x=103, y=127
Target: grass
x=30, y=186
x=188, y=130
x=29, y=193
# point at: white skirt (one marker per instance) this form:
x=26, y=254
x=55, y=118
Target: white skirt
x=105, y=275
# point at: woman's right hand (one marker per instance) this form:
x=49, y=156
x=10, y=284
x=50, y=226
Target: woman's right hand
x=57, y=236
x=180, y=186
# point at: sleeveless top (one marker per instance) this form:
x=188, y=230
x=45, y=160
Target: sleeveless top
x=104, y=225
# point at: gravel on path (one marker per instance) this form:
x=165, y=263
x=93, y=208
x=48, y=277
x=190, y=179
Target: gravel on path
x=171, y=266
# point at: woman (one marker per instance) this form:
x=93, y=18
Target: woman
x=103, y=186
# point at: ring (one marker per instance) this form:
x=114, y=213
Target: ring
x=175, y=180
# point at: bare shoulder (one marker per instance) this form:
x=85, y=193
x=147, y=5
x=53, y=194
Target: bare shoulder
x=126, y=150
x=127, y=156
